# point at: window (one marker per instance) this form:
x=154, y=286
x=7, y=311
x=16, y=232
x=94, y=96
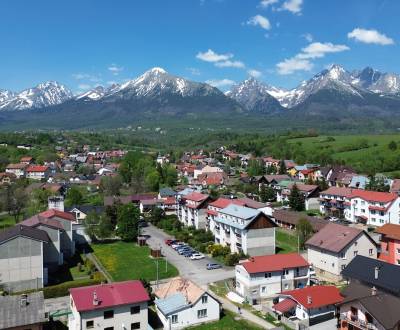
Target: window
x=343, y=267
x=263, y=289
x=370, y=252
x=201, y=313
x=135, y=309
x=268, y=275
x=355, y=243
x=108, y=314
x=285, y=272
x=343, y=255
x=355, y=253
x=333, y=264
x=174, y=319
x=89, y=324
x=204, y=299
x=109, y=328
x=135, y=325
x=398, y=251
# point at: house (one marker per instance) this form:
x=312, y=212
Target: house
x=24, y=311
x=359, y=182
x=82, y=211
x=207, y=170
x=7, y=178
x=217, y=205
x=28, y=160
x=310, y=193
x=192, y=210
x=390, y=243
x=180, y=303
x=166, y=192
x=395, y=187
x=17, y=169
x=366, y=307
x=310, y=305
x=332, y=248
x=289, y=219
x=244, y=229
x=263, y=276
x=334, y=175
x=38, y=172
x=210, y=179
x=22, y=258
x=135, y=199
x=118, y=305
x=356, y=205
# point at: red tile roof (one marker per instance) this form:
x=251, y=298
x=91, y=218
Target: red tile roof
x=390, y=230
x=37, y=220
x=56, y=213
x=221, y=203
x=316, y=296
x=371, y=196
x=274, y=262
x=37, y=168
x=109, y=295
x=196, y=197
x=285, y=305
x=338, y=191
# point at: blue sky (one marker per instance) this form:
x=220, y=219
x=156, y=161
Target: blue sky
x=282, y=42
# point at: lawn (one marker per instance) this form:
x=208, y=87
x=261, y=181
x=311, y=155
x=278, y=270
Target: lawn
x=227, y=322
x=286, y=242
x=6, y=221
x=127, y=261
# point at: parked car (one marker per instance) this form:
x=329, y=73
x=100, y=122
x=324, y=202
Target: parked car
x=189, y=253
x=333, y=219
x=213, y=266
x=197, y=256
x=183, y=251
x=170, y=241
x=176, y=245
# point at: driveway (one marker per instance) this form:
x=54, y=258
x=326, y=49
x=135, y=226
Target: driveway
x=194, y=270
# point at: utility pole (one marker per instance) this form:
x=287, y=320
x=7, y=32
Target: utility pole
x=157, y=273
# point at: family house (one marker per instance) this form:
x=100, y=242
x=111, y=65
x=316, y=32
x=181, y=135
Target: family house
x=17, y=169
x=289, y=219
x=118, y=305
x=332, y=248
x=310, y=193
x=244, y=229
x=38, y=172
x=180, y=303
x=390, y=243
x=263, y=276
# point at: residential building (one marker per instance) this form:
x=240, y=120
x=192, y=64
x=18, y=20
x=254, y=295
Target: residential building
x=7, y=178
x=118, y=305
x=82, y=211
x=244, y=229
x=22, y=312
x=192, y=210
x=180, y=303
x=310, y=193
x=332, y=248
x=217, y=205
x=311, y=305
x=289, y=219
x=22, y=258
x=263, y=276
x=17, y=169
x=390, y=243
x=38, y=172
x=356, y=205
x=26, y=160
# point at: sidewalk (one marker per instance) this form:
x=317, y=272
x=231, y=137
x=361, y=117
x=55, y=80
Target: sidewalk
x=99, y=266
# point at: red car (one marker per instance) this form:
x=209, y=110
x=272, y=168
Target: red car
x=169, y=241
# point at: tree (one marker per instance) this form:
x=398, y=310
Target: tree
x=74, y=196
x=296, y=199
x=111, y=185
x=157, y=215
x=128, y=222
x=91, y=224
x=267, y=194
x=255, y=167
x=392, y=145
x=304, y=231
x=16, y=200
x=282, y=167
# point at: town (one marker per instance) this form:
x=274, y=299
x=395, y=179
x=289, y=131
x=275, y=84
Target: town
x=211, y=239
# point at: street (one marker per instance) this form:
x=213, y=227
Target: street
x=194, y=270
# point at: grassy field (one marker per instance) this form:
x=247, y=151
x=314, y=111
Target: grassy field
x=227, y=322
x=365, y=153
x=127, y=261
x=286, y=241
x=6, y=221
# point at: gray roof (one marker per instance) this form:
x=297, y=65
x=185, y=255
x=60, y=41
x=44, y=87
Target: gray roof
x=13, y=314
x=167, y=192
x=24, y=231
x=240, y=211
x=171, y=304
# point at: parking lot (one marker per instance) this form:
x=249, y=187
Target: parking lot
x=195, y=270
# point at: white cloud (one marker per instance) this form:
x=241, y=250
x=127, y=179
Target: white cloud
x=84, y=86
x=291, y=65
x=86, y=76
x=294, y=6
x=211, y=56
x=230, y=64
x=254, y=73
x=220, y=82
x=259, y=20
x=370, y=37
x=319, y=49
x=115, y=69
x=308, y=37
x=267, y=3
x=194, y=71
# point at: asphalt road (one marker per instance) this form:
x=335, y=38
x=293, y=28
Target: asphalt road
x=194, y=270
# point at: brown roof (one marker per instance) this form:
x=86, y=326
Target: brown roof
x=293, y=217
x=395, y=186
x=390, y=230
x=18, y=166
x=191, y=291
x=334, y=237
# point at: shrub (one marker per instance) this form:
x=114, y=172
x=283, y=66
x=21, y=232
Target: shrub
x=231, y=259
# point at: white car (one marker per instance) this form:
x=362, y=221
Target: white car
x=197, y=256
x=333, y=219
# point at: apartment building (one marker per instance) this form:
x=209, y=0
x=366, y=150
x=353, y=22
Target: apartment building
x=192, y=210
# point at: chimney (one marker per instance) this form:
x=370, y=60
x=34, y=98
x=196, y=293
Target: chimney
x=95, y=299
x=377, y=272
x=373, y=291
x=309, y=300
x=23, y=300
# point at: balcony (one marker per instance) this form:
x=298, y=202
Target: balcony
x=356, y=322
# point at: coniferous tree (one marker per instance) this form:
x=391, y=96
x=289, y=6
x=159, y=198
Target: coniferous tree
x=296, y=199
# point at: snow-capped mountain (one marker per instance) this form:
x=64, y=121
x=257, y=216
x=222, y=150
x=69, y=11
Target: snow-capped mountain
x=255, y=96
x=43, y=95
x=377, y=82
x=5, y=95
x=93, y=94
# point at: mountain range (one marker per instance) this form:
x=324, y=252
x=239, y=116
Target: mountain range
x=333, y=93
